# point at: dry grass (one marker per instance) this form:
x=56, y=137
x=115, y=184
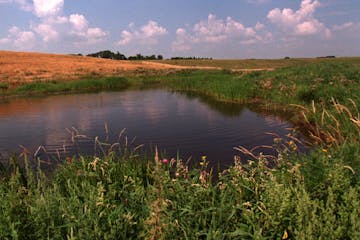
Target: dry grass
x=23, y=67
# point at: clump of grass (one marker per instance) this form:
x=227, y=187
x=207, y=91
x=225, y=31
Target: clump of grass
x=112, y=83
x=4, y=86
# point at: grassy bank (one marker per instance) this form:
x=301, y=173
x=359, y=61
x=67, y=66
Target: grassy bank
x=134, y=196
x=318, y=81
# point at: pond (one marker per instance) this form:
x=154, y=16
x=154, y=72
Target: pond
x=176, y=123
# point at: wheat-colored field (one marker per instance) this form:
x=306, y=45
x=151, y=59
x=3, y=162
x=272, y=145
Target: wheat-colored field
x=23, y=67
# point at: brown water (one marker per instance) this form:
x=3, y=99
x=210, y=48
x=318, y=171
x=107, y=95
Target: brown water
x=175, y=122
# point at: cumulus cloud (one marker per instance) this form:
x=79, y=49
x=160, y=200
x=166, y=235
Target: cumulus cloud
x=24, y=4
x=301, y=22
x=44, y=8
x=78, y=22
x=47, y=32
x=20, y=39
x=148, y=34
x=74, y=28
x=53, y=26
x=216, y=31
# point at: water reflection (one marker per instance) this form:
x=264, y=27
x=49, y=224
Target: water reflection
x=185, y=123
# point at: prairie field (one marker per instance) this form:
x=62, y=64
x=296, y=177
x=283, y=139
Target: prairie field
x=17, y=68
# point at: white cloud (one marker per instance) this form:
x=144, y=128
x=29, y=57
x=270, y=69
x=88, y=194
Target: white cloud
x=78, y=22
x=47, y=32
x=301, y=22
x=74, y=28
x=4, y=40
x=24, y=4
x=95, y=35
x=53, y=26
x=347, y=27
x=217, y=31
x=20, y=39
x=45, y=8
x=148, y=34
x=183, y=41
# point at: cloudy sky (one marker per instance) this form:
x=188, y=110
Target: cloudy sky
x=208, y=28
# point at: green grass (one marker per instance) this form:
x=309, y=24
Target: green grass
x=4, y=86
x=297, y=85
x=233, y=64
x=96, y=84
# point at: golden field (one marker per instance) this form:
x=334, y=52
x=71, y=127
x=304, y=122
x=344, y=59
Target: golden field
x=23, y=67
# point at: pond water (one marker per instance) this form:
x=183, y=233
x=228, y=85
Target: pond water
x=175, y=122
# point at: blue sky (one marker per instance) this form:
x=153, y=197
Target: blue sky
x=208, y=28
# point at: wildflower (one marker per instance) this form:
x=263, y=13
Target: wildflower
x=285, y=235
x=324, y=150
x=69, y=160
x=203, y=161
x=165, y=161
x=203, y=173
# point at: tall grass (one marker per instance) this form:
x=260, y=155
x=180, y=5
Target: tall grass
x=319, y=82
x=92, y=84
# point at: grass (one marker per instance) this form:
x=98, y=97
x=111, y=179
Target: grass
x=4, y=86
x=137, y=196
x=235, y=64
x=292, y=85
x=92, y=84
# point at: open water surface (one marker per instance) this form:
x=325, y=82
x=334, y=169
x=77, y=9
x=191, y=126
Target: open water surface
x=175, y=122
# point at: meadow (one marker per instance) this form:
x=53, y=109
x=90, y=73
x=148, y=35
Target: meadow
x=133, y=195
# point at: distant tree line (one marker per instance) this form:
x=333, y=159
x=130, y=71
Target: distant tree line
x=141, y=57
x=190, y=58
x=118, y=56
x=327, y=57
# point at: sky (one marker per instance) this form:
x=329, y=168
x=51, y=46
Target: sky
x=202, y=28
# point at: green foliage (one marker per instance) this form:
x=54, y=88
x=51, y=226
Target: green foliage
x=4, y=86
x=319, y=82
x=108, y=54
x=112, y=83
